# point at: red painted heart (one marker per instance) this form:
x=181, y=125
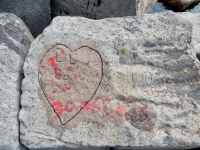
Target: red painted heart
x=70, y=78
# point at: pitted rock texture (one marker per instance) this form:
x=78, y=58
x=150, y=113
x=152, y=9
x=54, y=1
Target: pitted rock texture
x=149, y=89
x=15, y=40
x=179, y=5
x=35, y=14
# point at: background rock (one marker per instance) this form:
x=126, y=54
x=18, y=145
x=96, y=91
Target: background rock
x=179, y=5
x=159, y=7
x=35, y=14
x=148, y=93
x=98, y=9
x=15, y=40
x=144, y=6
x=93, y=9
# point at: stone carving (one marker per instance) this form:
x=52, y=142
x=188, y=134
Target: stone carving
x=148, y=93
x=66, y=72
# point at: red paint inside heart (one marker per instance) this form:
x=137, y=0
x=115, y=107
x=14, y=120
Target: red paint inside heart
x=54, y=91
x=68, y=68
x=70, y=106
x=67, y=87
x=53, y=64
x=42, y=67
x=62, y=52
x=58, y=108
x=51, y=98
x=74, y=76
x=87, y=64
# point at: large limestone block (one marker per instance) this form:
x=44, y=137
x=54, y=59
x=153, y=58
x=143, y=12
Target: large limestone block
x=131, y=82
x=15, y=40
x=35, y=13
x=179, y=5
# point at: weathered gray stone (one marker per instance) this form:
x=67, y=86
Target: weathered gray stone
x=15, y=39
x=179, y=5
x=35, y=13
x=131, y=82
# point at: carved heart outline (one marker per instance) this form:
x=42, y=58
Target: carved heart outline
x=101, y=77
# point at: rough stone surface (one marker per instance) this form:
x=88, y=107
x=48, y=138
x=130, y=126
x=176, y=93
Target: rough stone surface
x=131, y=82
x=35, y=13
x=145, y=6
x=93, y=9
x=15, y=40
x=179, y=5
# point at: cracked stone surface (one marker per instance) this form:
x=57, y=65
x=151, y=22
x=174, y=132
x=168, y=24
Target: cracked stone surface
x=131, y=82
x=15, y=39
x=35, y=14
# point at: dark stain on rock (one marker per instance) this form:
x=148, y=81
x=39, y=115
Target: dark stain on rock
x=142, y=116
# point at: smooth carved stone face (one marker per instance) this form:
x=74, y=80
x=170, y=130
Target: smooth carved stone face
x=69, y=79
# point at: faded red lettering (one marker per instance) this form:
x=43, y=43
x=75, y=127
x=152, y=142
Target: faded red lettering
x=85, y=105
x=53, y=64
x=42, y=67
x=121, y=111
x=62, y=52
x=71, y=108
x=74, y=76
x=106, y=102
x=88, y=106
x=95, y=108
x=58, y=108
x=67, y=87
x=60, y=87
x=68, y=68
x=54, y=91
x=87, y=64
x=51, y=98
